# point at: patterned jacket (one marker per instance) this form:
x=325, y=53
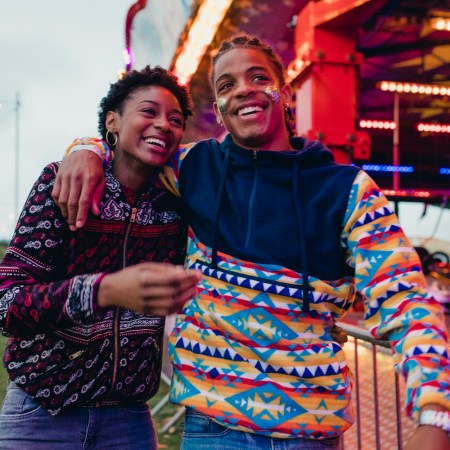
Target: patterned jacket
x=284, y=240
x=63, y=350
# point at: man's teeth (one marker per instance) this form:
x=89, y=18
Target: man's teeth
x=249, y=110
x=155, y=141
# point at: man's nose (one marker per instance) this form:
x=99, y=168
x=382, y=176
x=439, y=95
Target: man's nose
x=244, y=87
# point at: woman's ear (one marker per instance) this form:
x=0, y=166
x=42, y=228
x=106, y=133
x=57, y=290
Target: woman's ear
x=111, y=121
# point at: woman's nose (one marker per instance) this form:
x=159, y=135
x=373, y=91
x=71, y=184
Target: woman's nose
x=162, y=123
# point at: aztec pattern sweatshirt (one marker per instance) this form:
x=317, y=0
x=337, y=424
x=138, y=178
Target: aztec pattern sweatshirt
x=284, y=240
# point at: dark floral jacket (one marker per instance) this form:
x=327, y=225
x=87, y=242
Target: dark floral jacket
x=63, y=350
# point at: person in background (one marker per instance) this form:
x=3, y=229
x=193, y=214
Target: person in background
x=84, y=310
x=284, y=238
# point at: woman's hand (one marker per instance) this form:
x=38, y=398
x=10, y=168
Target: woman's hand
x=149, y=288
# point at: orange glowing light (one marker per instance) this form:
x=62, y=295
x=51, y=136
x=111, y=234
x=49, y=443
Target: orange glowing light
x=440, y=23
x=402, y=193
x=209, y=16
x=433, y=127
x=379, y=124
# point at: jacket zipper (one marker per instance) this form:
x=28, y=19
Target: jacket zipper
x=117, y=311
x=76, y=354
x=251, y=202
x=61, y=365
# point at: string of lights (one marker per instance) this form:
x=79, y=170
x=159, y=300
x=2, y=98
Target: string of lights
x=414, y=88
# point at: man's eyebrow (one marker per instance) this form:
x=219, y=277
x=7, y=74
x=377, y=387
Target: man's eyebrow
x=250, y=69
x=253, y=68
x=223, y=76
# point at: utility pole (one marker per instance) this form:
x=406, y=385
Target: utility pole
x=17, y=152
x=16, y=109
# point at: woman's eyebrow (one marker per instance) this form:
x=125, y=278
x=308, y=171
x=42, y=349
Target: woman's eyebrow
x=153, y=102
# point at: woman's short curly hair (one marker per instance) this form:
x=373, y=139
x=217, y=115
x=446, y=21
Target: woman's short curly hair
x=136, y=79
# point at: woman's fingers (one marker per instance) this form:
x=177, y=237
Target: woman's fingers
x=150, y=288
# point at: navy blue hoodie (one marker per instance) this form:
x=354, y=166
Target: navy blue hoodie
x=273, y=207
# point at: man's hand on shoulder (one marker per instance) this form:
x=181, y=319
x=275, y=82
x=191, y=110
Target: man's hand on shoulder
x=78, y=186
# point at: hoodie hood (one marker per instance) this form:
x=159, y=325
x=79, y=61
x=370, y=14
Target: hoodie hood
x=308, y=154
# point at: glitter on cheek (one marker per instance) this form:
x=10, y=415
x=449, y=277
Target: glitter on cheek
x=222, y=105
x=273, y=92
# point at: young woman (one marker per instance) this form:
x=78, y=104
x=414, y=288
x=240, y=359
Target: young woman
x=284, y=237
x=84, y=310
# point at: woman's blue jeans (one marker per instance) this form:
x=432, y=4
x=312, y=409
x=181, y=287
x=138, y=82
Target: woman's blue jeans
x=202, y=433
x=24, y=425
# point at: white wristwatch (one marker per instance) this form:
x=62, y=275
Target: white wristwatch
x=440, y=419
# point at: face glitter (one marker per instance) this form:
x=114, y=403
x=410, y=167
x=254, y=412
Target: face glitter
x=273, y=92
x=222, y=105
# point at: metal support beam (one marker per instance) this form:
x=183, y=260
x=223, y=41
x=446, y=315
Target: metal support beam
x=395, y=144
x=324, y=74
x=327, y=11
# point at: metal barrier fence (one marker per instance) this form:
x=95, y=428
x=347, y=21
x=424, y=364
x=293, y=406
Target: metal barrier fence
x=366, y=434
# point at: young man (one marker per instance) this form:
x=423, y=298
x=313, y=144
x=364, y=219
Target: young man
x=284, y=237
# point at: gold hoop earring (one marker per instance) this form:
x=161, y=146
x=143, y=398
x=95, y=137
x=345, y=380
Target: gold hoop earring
x=107, y=138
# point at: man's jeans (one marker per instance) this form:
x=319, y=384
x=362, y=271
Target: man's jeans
x=24, y=425
x=202, y=433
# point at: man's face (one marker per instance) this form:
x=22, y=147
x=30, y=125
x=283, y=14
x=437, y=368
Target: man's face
x=249, y=100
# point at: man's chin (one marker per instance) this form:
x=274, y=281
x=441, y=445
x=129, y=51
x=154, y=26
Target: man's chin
x=252, y=142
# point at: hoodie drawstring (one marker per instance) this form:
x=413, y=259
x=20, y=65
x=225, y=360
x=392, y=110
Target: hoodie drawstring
x=300, y=220
x=301, y=227
x=223, y=176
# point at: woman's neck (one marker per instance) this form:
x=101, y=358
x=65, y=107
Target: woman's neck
x=132, y=174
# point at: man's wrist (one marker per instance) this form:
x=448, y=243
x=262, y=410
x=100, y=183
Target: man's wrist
x=94, y=145
x=435, y=418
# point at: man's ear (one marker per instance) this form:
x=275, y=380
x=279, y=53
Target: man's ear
x=217, y=113
x=286, y=94
x=111, y=121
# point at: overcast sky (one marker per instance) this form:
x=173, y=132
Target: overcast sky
x=61, y=56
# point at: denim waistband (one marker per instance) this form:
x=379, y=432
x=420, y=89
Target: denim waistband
x=111, y=403
x=106, y=402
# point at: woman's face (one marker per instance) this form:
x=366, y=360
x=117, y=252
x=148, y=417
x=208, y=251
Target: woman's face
x=249, y=100
x=150, y=127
